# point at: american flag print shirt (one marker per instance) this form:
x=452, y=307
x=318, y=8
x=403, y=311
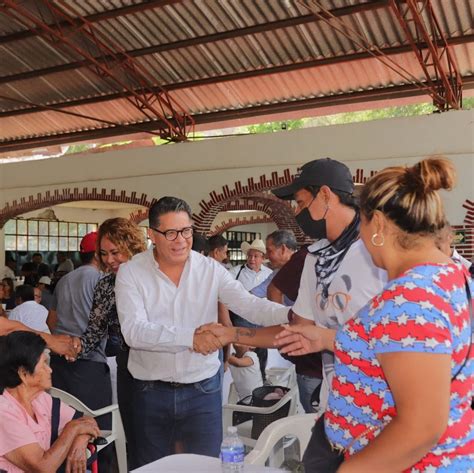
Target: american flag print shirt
x=423, y=310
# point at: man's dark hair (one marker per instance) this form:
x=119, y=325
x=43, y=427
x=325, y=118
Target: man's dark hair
x=349, y=200
x=200, y=244
x=25, y=292
x=283, y=237
x=28, y=267
x=37, y=254
x=86, y=258
x=166, y=205
x=217, y=241
x=18, y=350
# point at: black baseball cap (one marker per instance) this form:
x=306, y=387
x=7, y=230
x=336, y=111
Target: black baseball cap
x=318, y=173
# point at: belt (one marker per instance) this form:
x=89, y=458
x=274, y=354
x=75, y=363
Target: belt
x=173, y=384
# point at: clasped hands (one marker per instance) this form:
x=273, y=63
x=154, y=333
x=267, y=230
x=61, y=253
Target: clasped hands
x=209, y=338
x=64, y=345
x=297, y=340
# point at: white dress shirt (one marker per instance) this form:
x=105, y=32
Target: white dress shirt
x=158, y=318
x=250, y=278
x=31, y=314
x=457, y=258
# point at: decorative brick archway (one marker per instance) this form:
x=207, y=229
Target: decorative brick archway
x=279, y=211
x=252, y=196
x=469, y=206
x=60, y=196
x=139, y=215
x=226, y=225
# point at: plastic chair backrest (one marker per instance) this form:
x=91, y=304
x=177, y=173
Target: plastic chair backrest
x=298, y=425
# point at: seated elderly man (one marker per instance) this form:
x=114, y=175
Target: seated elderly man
x=28, y=311
x=26, y=412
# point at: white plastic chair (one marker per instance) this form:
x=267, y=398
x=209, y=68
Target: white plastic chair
x=278, y=377
x=298, y=426
x=117, y=433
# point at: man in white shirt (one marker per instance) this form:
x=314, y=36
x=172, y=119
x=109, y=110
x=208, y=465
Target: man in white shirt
x=28, y=311
x=8, y=270
x=163, y=296
x=253, y=272
x=444, y=241
x=251, y=275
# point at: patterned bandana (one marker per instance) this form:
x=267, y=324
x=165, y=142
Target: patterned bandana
x=330, y=257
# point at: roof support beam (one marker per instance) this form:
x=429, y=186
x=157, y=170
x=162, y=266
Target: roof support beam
x=237, y=76
x=120, y=71
x=239, y=32
x=222, y=116
x=419, y=22
x=94, y=18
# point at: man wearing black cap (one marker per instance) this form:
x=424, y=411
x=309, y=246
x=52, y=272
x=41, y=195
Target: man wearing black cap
x=338, y=277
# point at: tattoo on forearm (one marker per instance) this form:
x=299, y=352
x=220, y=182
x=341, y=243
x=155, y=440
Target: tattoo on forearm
x=244, y=332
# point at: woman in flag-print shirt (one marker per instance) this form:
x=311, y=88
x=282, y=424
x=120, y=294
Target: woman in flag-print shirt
x=404, y=372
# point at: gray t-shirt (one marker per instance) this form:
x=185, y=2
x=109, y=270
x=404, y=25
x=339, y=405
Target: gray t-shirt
x=72, y=300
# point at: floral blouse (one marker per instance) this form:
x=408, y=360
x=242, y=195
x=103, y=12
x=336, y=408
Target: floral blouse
x=103, y=319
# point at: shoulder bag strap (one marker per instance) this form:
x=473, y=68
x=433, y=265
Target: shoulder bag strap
x=55, y=414
x=55, y=419
x=238, y=274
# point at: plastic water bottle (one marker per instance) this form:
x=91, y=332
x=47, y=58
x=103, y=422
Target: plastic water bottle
x=232, y=452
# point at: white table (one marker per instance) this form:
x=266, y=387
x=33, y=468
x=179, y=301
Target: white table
x=196, y=464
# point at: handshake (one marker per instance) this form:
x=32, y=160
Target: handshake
x=211, y=337
x=63, y=345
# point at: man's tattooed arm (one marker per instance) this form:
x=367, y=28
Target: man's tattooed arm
x=241, y=332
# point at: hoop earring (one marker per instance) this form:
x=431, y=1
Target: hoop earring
x=374, y=241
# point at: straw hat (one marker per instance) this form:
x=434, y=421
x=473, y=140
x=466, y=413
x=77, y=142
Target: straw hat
x=257, y=245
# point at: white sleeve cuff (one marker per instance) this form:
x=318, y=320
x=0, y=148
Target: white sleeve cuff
x=185, y=337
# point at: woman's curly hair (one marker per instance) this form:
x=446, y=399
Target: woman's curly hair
x=123, y=233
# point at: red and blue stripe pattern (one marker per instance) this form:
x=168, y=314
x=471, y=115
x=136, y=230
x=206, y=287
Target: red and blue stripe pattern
x=424, y=310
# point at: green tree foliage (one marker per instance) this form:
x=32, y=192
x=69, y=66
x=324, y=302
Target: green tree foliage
x=79, y=148
x=350, y=117
x=270, y=127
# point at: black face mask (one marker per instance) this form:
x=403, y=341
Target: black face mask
x=313, y=228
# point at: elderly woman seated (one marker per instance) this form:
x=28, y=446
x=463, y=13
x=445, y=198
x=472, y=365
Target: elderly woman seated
x=26, y=413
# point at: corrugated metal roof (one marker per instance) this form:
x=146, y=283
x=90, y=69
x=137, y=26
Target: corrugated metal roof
x=212, y=53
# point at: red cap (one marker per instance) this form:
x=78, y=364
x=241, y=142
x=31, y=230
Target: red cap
x=88, y=243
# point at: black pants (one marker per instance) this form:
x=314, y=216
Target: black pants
x=319, y=456
x=124, y=395
x=89, y=381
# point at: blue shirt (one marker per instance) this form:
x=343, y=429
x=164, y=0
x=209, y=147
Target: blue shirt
x=261, y=289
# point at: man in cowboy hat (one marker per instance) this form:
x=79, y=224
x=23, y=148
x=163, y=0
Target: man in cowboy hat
x=253, y=272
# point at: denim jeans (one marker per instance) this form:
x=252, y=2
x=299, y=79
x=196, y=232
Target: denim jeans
x=306, y=387
x=163, y=414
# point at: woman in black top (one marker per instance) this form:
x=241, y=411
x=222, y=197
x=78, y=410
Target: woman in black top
x=118, y=240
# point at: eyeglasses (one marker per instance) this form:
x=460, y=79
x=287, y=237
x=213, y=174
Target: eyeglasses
x=171, y=235
x=339, y=300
